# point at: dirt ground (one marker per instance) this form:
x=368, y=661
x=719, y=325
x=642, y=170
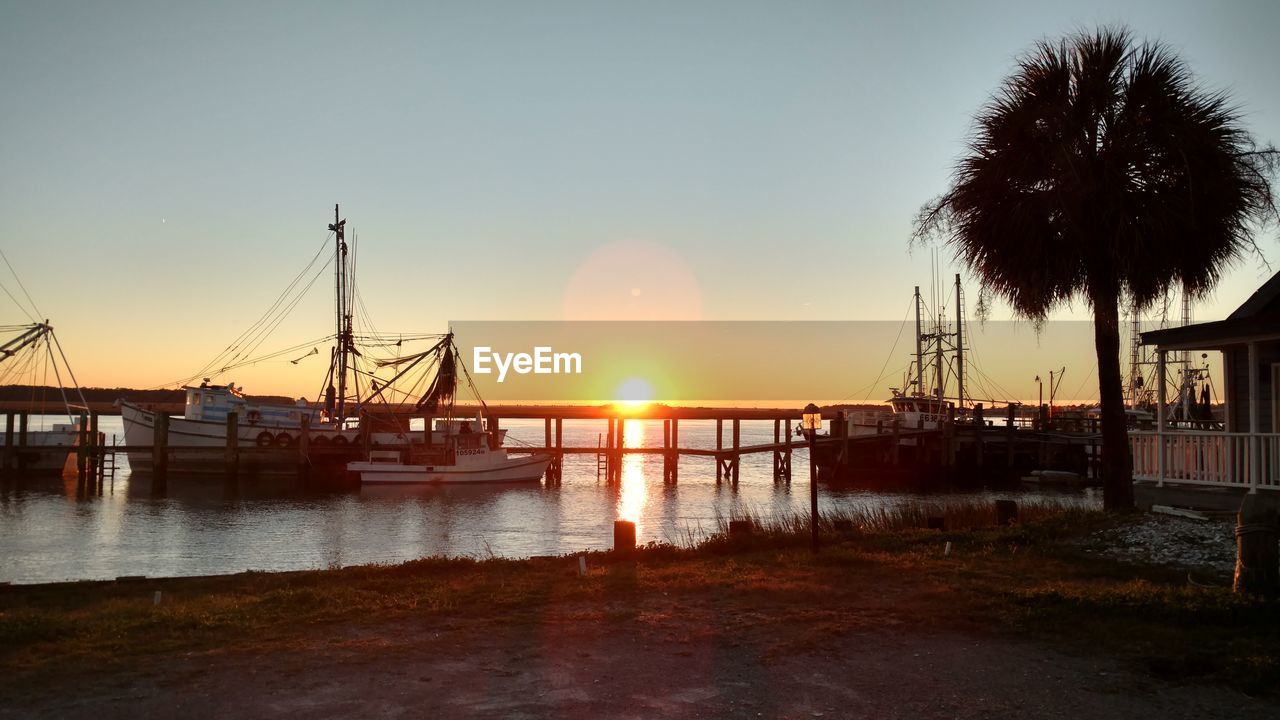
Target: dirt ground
x=657, y=655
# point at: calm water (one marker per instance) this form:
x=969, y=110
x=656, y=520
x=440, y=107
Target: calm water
x=47, y=533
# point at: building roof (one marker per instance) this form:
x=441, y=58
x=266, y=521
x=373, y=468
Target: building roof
x=1257, y=318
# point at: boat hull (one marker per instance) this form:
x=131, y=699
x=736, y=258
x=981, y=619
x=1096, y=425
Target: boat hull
x=512, y=470
x=45, y=451
x=204, y=443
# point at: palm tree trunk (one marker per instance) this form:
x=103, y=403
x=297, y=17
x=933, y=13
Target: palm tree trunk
x=1117, y=468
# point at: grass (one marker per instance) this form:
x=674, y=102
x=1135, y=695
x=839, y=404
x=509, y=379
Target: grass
x=1024, y=579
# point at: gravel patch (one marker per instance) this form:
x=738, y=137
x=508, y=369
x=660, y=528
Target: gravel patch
x=1205, y=545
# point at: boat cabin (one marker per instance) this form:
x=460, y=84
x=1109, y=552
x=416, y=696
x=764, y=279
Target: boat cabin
x=212, y=403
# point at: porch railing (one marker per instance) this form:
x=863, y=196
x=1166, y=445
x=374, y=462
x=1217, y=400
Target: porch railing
x=1241, y=460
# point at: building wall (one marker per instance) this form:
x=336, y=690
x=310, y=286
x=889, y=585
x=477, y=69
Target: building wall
x=1235, y=366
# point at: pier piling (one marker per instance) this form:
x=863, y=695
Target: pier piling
x=8, y=443
x=231, y=456
x=160, y=453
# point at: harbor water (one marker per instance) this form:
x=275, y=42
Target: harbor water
x=200, y=526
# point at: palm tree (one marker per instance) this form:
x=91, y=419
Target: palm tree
x=1100, y=169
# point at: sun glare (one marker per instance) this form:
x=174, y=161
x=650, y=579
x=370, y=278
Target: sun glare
x=634, y=394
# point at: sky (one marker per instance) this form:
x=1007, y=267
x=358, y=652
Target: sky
x=166, y=169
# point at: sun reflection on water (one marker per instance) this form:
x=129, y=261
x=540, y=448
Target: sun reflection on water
x=633, y=495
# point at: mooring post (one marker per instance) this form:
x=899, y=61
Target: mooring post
x=624, y=537
x=675, y=450
x=558, y=459
x=787, y=453
x=777, y=454
x=1008, y=436
x=82, y=450
x=615, y=456
x=840, y=429
x=1257, y=540
x=95, y=451
x=1006, y=512
x=546, y=441
x=980, y=423
x=666, y=451
x=231, y=456
x=737, y=443
x=22, y=429
x=160, y=451
x=719, y=447
x=8, y=442
x=304, y=451
x=897, y=433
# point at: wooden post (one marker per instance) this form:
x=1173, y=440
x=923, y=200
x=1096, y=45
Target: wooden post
x=304, y=451
x=1257, y=559
x=22, y=430
x=82, y=450
x=8, y=442
x=624, y=537
x=787, y=472
x=546, y=442
x=426, y=431
x=897, y=434
x=980, y=423
x=666, y=451
x=777, y=454
x=719, y=447
x=231, y=455
x=558, y=459
x=95, y=451
x=160, y=451
x=737, y=443
x=1008, y=436
x=1006, y=512
x=675, y=450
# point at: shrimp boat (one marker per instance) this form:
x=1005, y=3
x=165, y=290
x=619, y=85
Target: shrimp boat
x=204, y=422
x=453, y=451
x=41, y=449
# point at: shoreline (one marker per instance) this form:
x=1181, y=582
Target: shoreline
x=1031, y=585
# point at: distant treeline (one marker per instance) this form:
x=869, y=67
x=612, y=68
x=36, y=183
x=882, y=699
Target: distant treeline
x=24, y=393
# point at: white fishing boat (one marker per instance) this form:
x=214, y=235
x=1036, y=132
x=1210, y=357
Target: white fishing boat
x=453, y=451
x=333, y=420
x=472, y=456
x=39, y=447
x=204, y=424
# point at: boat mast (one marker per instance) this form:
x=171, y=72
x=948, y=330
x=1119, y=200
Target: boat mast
x=343, y=335
x=919, y=348
x=959, y=345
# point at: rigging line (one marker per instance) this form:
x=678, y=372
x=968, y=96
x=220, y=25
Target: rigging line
x=66, y=405
x=15, y=302
x=284, y=314
x=1092, y=370
x=70, y=372
x=20, y=285
x=279, y=299
x=270, y=356
x=251, y=330
x=273, y=355
x=265, y=331
x=902, y=326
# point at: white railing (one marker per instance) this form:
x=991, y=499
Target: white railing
x=1242, y=460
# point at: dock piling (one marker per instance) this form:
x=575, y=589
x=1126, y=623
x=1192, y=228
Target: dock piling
x=231, y=456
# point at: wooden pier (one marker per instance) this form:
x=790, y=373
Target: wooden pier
x=885, y=456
